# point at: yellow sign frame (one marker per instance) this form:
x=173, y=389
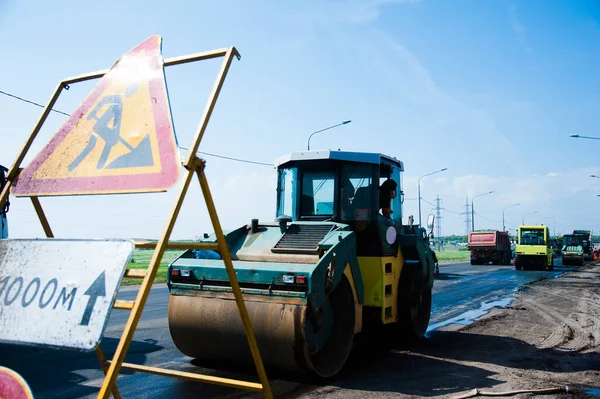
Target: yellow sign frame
x=193, y=166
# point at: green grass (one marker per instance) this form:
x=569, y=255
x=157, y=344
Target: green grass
x=141, y=260
x=452, y=256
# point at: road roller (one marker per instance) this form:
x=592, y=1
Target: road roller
x=335, y=267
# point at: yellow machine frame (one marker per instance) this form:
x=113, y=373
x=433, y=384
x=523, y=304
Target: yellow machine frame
x=534, y=250
x=194, y=166
x=380, y=278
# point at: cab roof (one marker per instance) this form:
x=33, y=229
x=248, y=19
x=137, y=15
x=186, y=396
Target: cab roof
x=360, y=157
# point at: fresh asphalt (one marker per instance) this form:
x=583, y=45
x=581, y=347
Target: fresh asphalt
x=461, y=294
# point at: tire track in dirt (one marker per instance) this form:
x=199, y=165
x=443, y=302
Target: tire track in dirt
x=564, y=295
x=587, y=310
x=565, y=331
x=577, y=331
x=588, y=317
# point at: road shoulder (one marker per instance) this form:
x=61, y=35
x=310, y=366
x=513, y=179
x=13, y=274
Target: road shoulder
x=548, y=337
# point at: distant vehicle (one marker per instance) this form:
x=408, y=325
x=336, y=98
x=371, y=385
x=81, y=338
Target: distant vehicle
x=588, y=249
x=534, y=249
x=490, y=246
x=557, y=246
x=572, y=250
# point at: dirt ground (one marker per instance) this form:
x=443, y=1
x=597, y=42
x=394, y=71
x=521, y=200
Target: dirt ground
x=548, y=338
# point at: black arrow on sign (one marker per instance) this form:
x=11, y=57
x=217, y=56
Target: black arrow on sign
x=96, y=289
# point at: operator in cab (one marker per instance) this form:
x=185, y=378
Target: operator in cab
x=387, y=192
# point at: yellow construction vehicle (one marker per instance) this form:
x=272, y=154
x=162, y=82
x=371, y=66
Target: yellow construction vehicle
x=534, y=249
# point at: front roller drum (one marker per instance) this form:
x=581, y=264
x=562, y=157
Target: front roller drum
x=210, y=329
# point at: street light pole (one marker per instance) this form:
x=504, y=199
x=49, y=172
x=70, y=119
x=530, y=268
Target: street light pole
x=538, y=221
x=523, y=217
x=577, y=136
x=322, y=130
x=510, y=206
x=419, y=190
x=473, y=209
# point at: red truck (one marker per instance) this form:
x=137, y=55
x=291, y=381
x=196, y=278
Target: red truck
x=490, y=246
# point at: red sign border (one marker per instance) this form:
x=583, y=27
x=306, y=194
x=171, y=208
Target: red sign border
x=27, y=186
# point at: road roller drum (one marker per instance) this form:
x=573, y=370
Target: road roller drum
x=210, y=329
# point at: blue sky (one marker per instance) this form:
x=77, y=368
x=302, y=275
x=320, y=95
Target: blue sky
x=489, y=89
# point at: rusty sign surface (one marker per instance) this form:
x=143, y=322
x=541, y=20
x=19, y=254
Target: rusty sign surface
x=119, y=140
x=59, y=293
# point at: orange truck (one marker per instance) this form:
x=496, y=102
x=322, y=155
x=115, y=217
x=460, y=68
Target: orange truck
x=490, y=246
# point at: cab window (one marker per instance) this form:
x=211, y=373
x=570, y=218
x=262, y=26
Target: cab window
x=356, y=193
x=318, y=193
x=532, y=237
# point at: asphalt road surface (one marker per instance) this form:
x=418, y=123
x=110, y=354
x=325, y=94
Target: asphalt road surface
x=461, y=294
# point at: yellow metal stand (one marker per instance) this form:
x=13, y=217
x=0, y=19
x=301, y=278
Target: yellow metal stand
x=193, y=166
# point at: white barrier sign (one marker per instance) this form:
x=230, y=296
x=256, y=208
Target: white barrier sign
x=59, y=293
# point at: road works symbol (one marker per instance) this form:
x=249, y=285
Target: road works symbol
x=13, y=386
x=120, y=139
x=59, y=293
x=108, y=128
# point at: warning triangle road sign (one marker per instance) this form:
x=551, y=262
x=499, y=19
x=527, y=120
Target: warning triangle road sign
x=119, y=140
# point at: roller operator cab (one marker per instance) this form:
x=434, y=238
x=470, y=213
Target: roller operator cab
x=330, y=269
x=534, y=249
x=588, y=246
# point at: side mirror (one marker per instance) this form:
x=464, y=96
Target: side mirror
x=430, y=222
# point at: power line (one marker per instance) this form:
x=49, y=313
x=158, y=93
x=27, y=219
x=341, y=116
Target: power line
x=458, y=213
x=230, y=158
x=443, y=209
x=424, y=200
x=183, y=148
x=489, y=220
x=31, y=102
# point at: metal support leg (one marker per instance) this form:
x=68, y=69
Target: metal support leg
x=235, y=287
x=144, y=292
x=42, y=216
x=100, y=355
